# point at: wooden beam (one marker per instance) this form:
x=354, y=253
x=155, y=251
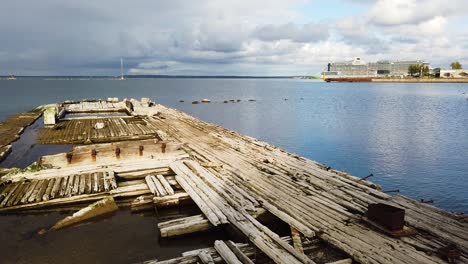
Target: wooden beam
x=226, y=253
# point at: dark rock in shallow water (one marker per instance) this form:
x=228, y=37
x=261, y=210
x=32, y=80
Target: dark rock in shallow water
x=226, y=102
x=238, y=100
x=195, y=102
x=252, y=100
x=181, y=101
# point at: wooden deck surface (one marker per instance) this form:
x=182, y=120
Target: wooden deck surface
x=81, y=131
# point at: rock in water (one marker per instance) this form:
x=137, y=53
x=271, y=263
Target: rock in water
x=99, y=208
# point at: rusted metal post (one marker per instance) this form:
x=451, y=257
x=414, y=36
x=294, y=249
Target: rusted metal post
x=93, y=154
x=367, y=177
x=117, y=152
x=140, y=150
x=392, y=191
x=428, y=201
x=163, y=147
x=69, y=157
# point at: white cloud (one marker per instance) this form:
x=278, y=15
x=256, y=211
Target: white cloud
x=305, y=33
x=400, y=12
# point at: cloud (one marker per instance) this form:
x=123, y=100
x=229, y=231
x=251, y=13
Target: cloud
x=305, y=33
x=251, y=37
x=402, y=12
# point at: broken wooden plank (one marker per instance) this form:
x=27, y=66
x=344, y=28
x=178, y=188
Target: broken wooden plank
x=165, y=184
x=99, y=208
x=159, y=186
x=151, y=185
x=183, y=226
x=239, y=254
x=205, y=257
x=296, y=238
x=201, y=203
x=226, y=253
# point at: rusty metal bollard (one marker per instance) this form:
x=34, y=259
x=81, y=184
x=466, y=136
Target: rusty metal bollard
x=163, y=147
x=93, y=154
x=69, y=157
x=140, y=150
x=117, y=152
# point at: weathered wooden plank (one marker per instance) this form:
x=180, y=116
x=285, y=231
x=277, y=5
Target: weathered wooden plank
x=183, y=226
x=205, y=257
x=23, y=193
x=226, y=253
x=113, y=181
x=89, y=182
x=31, y=188
x=14, y=194
x=165, y=184
x=70, y=184
x=41, y=191
x=82, y=186
x=239, y=254
x=151, y=185
x=95, y=183
x=60, y=187
x=159, y=186
x=207, y=194
x=100, y=176
x=76, y=185
x=106, y=181
x=36, y=190
x=48, y=190
x=212, y=216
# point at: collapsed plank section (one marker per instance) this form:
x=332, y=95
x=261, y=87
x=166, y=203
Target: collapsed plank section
x=158, y=185
x=217, y=208
x=30, y=192
x=245, y=253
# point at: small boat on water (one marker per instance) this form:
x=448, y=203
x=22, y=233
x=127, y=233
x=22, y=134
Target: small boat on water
x=11, y=78
x=206, y=100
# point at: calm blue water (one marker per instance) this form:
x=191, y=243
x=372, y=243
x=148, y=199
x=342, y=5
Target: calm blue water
x=412, y=137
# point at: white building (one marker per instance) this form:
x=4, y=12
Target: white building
x=359, y=68
x=454, y=73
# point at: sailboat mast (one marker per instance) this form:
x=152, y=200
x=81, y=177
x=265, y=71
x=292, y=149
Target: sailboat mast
x=121, y=69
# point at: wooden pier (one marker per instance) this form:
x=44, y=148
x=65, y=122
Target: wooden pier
x=233, y=179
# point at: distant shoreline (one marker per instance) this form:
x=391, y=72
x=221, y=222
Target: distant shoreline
x=159, y=77
x=421, y=80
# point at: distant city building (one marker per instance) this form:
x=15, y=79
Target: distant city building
x=359, y=68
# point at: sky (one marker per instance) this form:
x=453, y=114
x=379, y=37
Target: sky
x=224, y=37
